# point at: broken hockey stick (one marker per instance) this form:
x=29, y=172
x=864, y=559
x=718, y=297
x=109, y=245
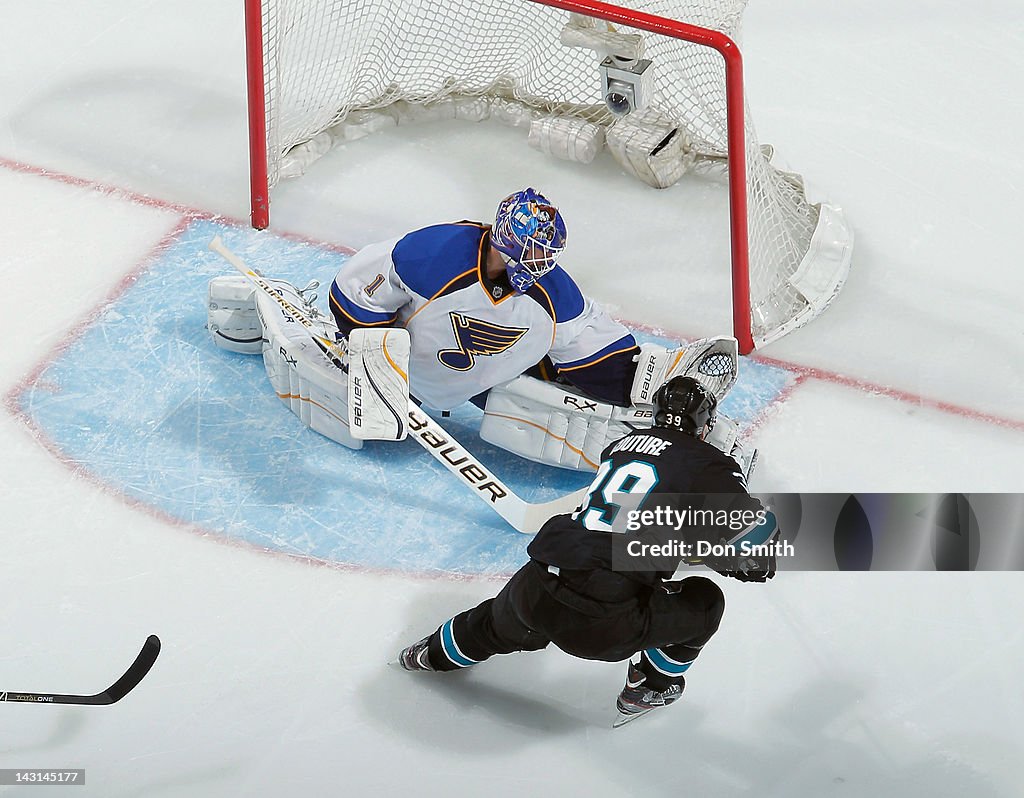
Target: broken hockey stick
x=113, y=694
x=523, y=516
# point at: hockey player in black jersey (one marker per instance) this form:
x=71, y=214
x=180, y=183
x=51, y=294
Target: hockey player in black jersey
x=570, y=593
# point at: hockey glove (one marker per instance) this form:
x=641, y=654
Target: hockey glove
x=750, y=568
x=752, y=575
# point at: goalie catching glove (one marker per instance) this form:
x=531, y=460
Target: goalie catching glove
x=713, y=362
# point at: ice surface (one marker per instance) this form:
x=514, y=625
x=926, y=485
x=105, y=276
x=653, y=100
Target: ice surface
x=130, y=442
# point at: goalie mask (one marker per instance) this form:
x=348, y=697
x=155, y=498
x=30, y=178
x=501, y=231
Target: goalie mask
x=530, y=235
x=683, y=403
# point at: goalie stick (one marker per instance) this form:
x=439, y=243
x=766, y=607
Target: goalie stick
x=521, y=515
x=113, y=694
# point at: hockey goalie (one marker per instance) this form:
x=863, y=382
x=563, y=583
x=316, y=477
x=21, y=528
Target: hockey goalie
x=467, y=312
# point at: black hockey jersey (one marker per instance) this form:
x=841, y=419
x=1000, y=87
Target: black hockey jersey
x=652, y=462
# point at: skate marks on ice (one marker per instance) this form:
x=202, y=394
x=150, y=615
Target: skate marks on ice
x=143, y=403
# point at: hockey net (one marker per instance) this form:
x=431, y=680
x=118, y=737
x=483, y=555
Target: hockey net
x=323, y=71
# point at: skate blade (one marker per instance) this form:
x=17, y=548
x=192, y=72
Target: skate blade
x=622, y=719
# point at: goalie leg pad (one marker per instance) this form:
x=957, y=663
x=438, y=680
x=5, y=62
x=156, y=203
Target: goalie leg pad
x=547, y=423
x=544, y=422
x=312, y=387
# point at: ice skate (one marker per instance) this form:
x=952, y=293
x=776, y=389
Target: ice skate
x=636, y=700
x=416, y=657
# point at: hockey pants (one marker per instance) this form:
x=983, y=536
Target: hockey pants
x=537, y=607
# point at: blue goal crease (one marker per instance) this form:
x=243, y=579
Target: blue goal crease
x=195, y=432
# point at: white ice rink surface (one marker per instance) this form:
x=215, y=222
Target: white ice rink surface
x=120, y=119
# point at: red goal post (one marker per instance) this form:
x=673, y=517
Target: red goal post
x=783, y=276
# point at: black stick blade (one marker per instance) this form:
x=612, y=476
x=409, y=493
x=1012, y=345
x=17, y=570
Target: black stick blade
x=118, y=690
x=134, y=674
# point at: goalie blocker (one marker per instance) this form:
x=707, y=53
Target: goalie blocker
x=378, y=383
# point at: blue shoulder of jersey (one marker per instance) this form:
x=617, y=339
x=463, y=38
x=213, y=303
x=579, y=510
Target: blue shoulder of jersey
x=566, y=299
x=439, y=259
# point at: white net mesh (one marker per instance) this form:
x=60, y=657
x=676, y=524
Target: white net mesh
x=327, y=62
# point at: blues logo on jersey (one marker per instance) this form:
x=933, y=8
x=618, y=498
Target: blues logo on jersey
x=475, y=337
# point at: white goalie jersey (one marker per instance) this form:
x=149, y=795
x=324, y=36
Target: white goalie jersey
x=469, y=333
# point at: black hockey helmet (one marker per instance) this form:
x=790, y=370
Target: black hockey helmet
x=684, y=404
